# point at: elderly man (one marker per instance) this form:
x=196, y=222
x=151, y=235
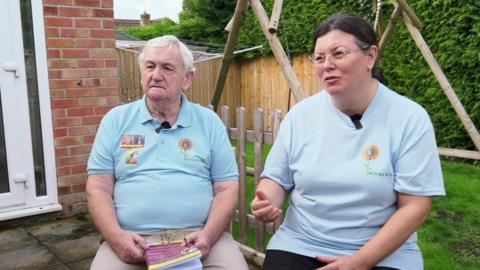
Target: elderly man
x=163, y=166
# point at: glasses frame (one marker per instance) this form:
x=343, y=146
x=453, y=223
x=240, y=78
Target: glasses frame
x=333, y=58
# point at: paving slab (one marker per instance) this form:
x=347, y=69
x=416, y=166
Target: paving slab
x=31, y=257
x=81, y=264
x=15, y=238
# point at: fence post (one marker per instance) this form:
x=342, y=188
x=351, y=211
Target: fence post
x=241, y=160
x=258, y=127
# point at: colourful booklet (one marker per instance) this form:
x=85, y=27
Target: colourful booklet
x=172, y=255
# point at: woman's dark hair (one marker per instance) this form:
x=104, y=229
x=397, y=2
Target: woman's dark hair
x=356, y=26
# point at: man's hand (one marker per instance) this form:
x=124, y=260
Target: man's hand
x=128, y=246
x=342, y=263
x=263, y=209
x=201, y=240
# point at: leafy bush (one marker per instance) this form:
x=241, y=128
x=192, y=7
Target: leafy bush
x=450, y=28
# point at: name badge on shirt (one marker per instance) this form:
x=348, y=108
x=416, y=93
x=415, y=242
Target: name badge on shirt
x=132, y=144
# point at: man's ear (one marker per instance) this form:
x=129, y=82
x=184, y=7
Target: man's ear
x=188, y=79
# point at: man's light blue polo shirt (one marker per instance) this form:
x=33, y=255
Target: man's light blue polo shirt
x=344, y=181
x=162, y=180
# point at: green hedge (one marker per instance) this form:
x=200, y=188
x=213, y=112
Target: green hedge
x=451, y=29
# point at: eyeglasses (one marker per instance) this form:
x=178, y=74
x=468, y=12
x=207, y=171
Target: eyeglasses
x=336, y=55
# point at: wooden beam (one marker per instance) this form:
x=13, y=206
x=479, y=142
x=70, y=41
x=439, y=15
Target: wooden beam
x=275, y=17
x=228, y=52
x=278, y=51
x=460, y=153
x=229, y=26
x=409, y=11
x=389, y=30
x=444, y=83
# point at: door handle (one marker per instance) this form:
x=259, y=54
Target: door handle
x=12, y=67
x=21, y=178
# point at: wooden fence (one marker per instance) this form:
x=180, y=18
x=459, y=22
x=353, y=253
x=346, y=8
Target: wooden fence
x=257, y=83
x=258, y=136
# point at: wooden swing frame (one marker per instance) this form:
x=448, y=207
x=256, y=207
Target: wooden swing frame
x=401, y=9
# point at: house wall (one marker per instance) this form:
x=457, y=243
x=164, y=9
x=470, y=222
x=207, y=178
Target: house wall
x=82, y=69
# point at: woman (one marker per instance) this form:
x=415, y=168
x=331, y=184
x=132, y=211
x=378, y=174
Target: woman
x=359, y=162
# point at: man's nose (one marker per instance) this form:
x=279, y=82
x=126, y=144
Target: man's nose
x=157, y=73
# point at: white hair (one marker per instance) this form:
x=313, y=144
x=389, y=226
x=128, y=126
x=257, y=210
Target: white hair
x=185, y=52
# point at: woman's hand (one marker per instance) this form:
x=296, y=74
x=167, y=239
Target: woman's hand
x=263, y=209
x=342, y=263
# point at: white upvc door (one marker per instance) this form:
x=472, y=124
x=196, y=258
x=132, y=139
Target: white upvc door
x=20, y=192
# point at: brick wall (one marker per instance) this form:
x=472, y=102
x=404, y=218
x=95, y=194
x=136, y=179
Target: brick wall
x=80, y=38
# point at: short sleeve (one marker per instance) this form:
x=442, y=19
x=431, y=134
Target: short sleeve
x=277, y=164
x=223, y=166
x=101, y=160
x=417, y=169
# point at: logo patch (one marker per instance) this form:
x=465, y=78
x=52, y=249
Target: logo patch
x=132, y=141
x=369, y=154
x=185, y=146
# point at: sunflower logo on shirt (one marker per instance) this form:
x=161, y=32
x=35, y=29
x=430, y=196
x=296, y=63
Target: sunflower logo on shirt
x=185, y=146
x=370, y=154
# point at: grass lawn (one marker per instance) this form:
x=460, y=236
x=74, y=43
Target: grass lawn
x=450, y=238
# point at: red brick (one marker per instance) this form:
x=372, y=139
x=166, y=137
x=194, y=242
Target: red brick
x=67, y=141
x=75, y=53
x=54, y=74
x=73, y=12
x=88, y=43
x=50, y=11
x=53, y=53
x=58, y=113
x=91, y=120
x=57, y=2
x=99, y=101
x=91, y=92
x=75, y=73
x=108, y=23
x=108, y=33
x=87, y=23
x=67, y=122
x=111, y=63
x=101, y=13
x=107, y=3
x=79, y=187
x=78, y=169
x=103, y=53
x=64, y=190
x=56, y=93
x=91, y=82
x=59, y=132
x=80, y=149
x=64, y=103
x=91, y=64
x=62, y=171
x=108, y=43
x=74, y=32
x=61, y=152
x=88, y=139
x=58, y=21
x=79, y=112
x=62, y=84
x=61, y=63
x=87, y=3
x=103, y=110
x=111, y=82
x=59, y=43
x=81, y=130
x=103, y=73
x=69, y=180
x=51, y=32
